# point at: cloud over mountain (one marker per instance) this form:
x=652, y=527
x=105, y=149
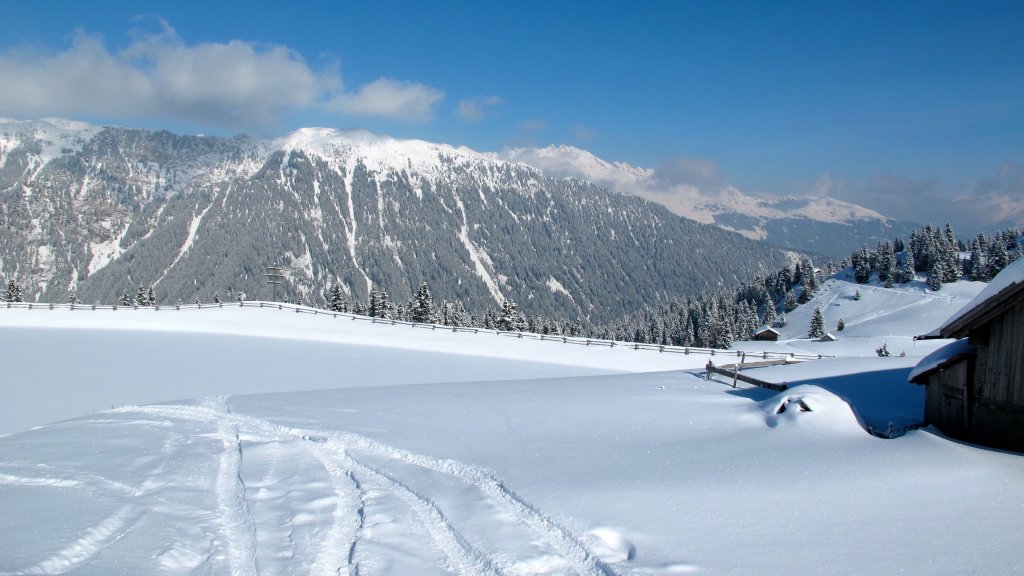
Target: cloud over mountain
x=228, y=84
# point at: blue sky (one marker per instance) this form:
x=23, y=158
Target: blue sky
x=863, y=101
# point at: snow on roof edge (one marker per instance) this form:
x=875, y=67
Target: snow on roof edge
x=940, y=357
x=1009, y=276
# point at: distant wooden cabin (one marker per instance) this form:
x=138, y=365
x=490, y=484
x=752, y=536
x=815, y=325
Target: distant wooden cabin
x=828, y=337
x=766, y=333
x=975, y=388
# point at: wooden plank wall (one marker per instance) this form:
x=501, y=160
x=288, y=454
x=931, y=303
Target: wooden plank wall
x=1002, y=376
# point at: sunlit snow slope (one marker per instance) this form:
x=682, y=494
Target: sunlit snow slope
x=418, y=451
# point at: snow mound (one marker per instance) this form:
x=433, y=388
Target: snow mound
x=809, y=406
x=610, y=545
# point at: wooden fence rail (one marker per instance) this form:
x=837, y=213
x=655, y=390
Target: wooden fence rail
x=660, y=348
x=733, y=371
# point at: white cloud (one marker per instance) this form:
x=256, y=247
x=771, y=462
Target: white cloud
x=474, y=109
x=687, y=171
x=390, y=99
x=234, y=84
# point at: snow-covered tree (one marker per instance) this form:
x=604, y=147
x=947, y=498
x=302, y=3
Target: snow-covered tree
x=385, y=309
x=883, y=350
x=905, y=273
x=861, y=266
x=998, y=257
x=373, y=310
x=840, y=325
x=790, y=303
x=336, y=303
x=423, y=307
x=126, y=298
x=817, y=329
x=769, y=314
x=508, y=319
x=936, y=273
x=13, y=292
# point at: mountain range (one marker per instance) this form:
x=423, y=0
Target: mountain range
x=98, y=210
x=815, y=224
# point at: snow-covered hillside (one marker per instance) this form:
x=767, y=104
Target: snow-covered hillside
x=322, y=445
x=811, y=223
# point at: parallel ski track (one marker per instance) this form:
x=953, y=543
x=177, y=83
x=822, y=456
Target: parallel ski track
x=352, y=478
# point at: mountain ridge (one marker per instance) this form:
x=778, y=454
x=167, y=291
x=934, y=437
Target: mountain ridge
x=107, y=209
x=836, y=226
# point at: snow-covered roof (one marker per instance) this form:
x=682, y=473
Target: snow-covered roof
x=766, y=328
x=1011, y=276
x=828, y=337
x=940, y=358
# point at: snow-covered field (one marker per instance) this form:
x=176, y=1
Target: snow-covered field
x=257, y=441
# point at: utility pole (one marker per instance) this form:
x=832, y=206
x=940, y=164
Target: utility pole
x=275, y=278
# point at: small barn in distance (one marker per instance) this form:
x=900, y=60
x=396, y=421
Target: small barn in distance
x=766, y=333
x=975, y=386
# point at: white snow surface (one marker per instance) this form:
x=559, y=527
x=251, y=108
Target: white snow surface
x=261, y=441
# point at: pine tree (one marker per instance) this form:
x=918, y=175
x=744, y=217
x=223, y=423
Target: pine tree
x=769, y=314
x=817, y=324
x=790, y=304
x=423, y=308
x=886, y=263
x=151, y=296
x=719, y=335
x=72, y=298
x=936, y=274
x=384, y=307
x=905, y=273
x=126, y=298
x=508, y=319
x=13, y=293
x=998, y=257
x=883, y=350
x=140, y=297
x=373, y=310
x=840, y=325
x=337, y=300
x=808, y=285
x=861, y=266
x=976, y=265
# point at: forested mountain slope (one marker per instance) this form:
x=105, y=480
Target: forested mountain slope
x=97, y=211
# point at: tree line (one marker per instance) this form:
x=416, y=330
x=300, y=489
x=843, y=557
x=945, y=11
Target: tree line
x=712, y=320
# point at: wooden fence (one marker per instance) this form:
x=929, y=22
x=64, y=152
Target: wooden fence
x=580, y=341
x=733, y=371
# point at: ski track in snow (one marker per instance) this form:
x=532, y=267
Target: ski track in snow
x=91, y=542
x=363, y=474
x=238, y=526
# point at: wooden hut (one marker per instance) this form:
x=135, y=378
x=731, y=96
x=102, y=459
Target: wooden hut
x=975, y=386
x=766, y=333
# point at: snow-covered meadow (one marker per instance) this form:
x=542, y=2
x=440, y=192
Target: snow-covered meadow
x=259, y=441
